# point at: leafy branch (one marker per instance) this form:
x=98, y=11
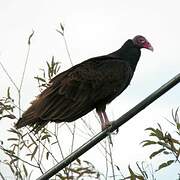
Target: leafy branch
x=168, y=144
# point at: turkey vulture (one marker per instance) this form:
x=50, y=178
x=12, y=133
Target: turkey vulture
x=85, y=86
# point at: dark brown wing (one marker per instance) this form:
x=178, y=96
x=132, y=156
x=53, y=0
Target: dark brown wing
x=79, y=90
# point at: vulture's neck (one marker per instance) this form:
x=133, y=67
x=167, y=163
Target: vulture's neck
x=128, y=52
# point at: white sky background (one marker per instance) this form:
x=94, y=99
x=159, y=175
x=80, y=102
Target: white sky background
x=94, y=28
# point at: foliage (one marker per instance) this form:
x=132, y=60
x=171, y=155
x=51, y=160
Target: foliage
x=169, y=145
x=35, y=149
x=53, y=68
x=144, y=172
x=7, y=106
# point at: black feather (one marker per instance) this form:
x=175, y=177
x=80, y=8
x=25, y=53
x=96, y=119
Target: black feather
x=88, y=85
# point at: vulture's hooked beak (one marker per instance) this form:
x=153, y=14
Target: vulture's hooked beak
x=147, y=45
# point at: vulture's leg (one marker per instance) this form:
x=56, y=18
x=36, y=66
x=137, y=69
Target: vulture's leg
x=100, y=114
x=106, y=120
x=107, y=123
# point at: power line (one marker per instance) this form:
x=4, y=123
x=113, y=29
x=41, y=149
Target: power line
x=115, y=125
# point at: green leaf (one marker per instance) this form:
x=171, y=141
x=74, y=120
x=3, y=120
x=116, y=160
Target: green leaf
x=163, y=165
x=132, y=175
x=130, y=170
x=34, y=152
x=159, y=134
x=29, y=39
x=178, y=153
x=175, y=141
x=140, y=177
x=117, y=167
x=13, y=139
x=162, y=144
x=10, y=166
x=10, y=116
x=33, y=140
x=79, y=161
x=54, y=143
x=159, y=126
x=178, y=125
x=62, y=27
x=47, y=155
x=14, y=131
x=22, y=145
x=30, y=145
x=46, y=136
x=150, y=129
x=13, y=160
x=60, y=32
x=166, y=152
x=28, y=154
x=40, y=79
x=8, y=93
x=156, y=153
x=176, y=117
x=148, y=142
x=25, y=170
x=155, y=132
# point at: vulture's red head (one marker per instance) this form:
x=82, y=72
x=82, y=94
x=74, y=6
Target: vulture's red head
x=142, y=42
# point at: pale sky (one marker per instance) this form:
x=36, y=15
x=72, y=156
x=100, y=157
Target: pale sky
x=94, y=28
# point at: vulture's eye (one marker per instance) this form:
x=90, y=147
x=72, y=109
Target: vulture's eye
x=142, y=41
